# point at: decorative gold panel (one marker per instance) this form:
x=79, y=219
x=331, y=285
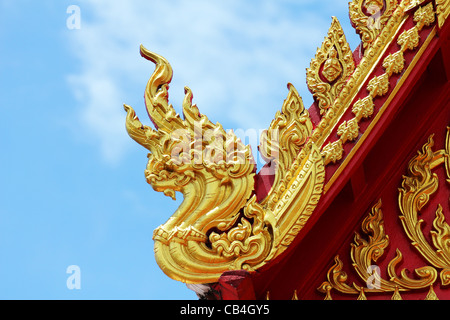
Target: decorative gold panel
x=417, y=187
x=281, y=143
x=331, y=67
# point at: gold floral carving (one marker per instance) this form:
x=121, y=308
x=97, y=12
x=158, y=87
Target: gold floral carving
x=370, y=16
x=424, y=16
x=363, y=108
x=333, y=152
x=394, y=63
x=331, y=67
x=379, y=85
x=417, y=187
x=220, y=226
x=443, y=11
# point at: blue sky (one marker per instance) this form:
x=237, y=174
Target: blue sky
x=73, y=190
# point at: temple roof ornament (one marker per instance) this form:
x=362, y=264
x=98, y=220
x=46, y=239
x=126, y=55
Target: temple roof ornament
x=221, y=225
x=330, y=68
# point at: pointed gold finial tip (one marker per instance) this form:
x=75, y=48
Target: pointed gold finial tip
x=147, y=54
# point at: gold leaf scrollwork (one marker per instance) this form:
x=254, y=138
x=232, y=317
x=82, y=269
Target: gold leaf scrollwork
x=417, y=187
x=394, y=63
x=330, y=68
x=247, y=244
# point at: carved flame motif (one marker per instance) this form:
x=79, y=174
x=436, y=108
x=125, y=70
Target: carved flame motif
x=417, y=187
x=219, y=226
x=331, y=67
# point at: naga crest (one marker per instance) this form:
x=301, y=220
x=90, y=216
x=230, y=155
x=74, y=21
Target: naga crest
x=220, y=225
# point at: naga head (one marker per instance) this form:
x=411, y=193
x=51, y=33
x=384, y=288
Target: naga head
x=220, y=226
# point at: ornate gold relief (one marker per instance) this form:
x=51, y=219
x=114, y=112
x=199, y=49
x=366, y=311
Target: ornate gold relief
x=219, y=226
x=394, y=63
x=331, y=67
x=443, y=11
x=424, y=16
x=409, y=39
x=363, y=108
x=417, y=187
x=348, y=130
x=281, y=143
x=370, y=16
x=364, y=255
x=356, y=80
x=333, y=152
x=379, y=85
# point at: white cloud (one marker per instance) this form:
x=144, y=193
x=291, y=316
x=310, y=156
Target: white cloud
x=236, y=56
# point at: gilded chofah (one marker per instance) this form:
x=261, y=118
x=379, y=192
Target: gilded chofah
x=417, y=187
x=370, y=16
x=220, y=226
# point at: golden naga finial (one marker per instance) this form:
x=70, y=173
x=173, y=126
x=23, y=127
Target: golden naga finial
x=369, y=17
x=220, y=226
